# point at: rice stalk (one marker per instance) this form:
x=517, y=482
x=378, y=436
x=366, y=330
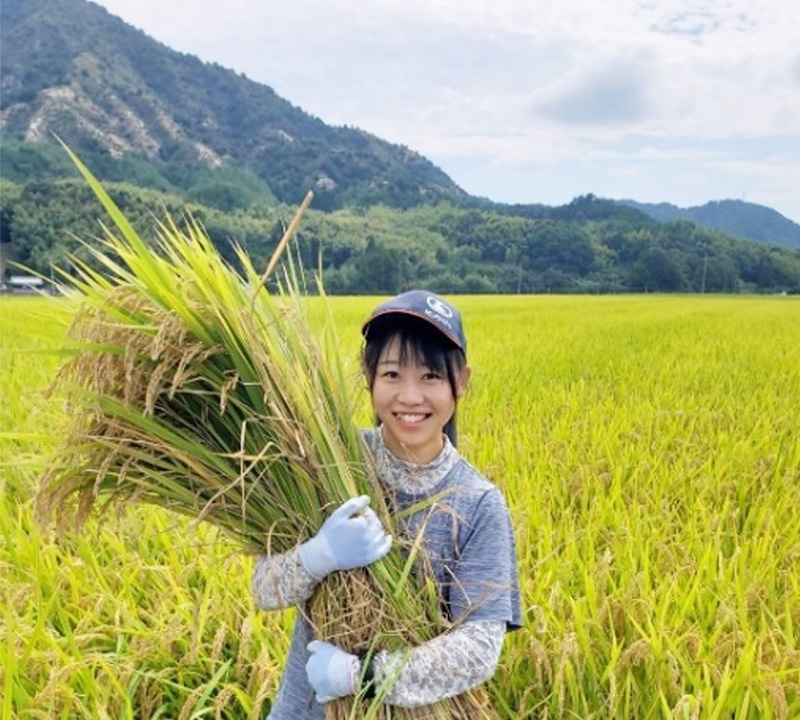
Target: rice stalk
x=196, y=389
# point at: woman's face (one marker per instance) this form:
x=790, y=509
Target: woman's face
x=413, y=402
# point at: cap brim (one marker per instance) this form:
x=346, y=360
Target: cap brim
x=411, y=313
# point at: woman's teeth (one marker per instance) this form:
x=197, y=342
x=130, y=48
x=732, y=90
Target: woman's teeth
x=410, y=418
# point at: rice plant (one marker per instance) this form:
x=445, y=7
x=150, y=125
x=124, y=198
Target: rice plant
x=196, y=389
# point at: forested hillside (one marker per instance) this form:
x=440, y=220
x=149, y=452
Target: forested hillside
x=137, y=111
x=580, y=247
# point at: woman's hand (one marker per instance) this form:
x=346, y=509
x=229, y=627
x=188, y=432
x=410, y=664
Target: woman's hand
x=332, y=672
x=351, y=537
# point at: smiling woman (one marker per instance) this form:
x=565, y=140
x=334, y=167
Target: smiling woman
x=195, y=388
x=412, y=401
x=414, y=360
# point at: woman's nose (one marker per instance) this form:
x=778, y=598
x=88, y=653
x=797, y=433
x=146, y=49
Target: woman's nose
x=410, y=393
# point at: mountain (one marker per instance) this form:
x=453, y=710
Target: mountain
x=136, y=110
x=733, y=217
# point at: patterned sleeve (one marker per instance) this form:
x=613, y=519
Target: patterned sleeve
x=443, y=667
x=280, y=581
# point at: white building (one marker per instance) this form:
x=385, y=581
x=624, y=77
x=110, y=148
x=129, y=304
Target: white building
x=23, y=284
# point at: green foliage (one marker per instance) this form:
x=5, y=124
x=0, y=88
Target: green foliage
x=381, y=249
x=29, y=161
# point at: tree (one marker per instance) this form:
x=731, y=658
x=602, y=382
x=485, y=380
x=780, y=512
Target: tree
x=382, y=268
x=657, y=270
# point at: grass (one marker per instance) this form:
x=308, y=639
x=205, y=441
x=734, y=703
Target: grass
x=647, y=446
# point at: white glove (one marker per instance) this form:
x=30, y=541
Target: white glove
x=351, y=537
x=332, y=672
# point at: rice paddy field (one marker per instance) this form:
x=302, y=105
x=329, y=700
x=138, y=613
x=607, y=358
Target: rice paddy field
x=649, y=449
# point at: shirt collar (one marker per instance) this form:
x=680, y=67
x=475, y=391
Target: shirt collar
x=408, y=477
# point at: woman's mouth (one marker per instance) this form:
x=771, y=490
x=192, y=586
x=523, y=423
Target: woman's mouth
x=410, y=418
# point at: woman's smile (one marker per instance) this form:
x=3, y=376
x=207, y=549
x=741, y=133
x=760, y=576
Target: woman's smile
x=411, y=418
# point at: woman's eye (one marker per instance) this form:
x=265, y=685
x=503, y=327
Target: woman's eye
x=431, y=376
x=391, y=374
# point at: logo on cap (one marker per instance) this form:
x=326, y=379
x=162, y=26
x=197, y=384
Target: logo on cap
x=438, y=306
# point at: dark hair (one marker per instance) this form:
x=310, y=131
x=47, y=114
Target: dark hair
x=422, y=342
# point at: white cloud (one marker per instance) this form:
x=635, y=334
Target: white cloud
x=613, y=92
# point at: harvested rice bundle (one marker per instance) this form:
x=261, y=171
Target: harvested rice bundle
x=197, y=390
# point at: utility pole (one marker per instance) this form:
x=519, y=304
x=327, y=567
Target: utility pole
x=705, y=267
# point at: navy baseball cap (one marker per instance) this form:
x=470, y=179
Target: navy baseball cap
x=426, y=306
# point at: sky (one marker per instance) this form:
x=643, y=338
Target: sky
x=525, y=101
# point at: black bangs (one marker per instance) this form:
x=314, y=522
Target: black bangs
x=419, y=342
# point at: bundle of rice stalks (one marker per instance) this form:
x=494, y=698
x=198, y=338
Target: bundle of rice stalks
x=195, y=389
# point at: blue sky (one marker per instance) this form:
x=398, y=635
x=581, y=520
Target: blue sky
x=675, y=101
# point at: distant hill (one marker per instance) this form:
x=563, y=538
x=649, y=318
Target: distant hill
x=138, y=111
x=733, y=217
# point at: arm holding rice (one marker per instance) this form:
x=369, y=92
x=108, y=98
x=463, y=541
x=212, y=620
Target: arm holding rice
x=443, y=667
x=351, y=537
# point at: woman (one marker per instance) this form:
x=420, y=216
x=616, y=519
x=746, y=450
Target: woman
x=414, y=360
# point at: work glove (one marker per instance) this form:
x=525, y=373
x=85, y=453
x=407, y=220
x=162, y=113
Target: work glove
x=351, y=537
x=332, y=672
